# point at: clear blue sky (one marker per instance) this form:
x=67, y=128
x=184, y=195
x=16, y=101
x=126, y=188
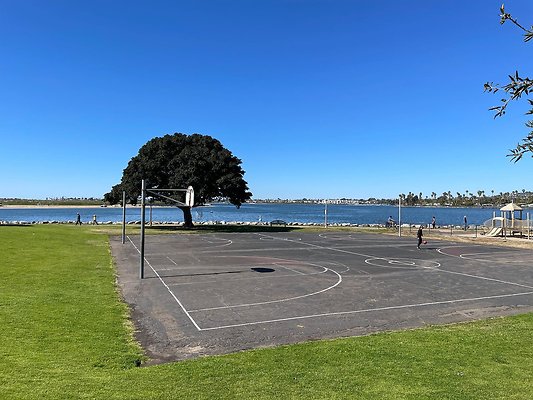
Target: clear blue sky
x=319, y=98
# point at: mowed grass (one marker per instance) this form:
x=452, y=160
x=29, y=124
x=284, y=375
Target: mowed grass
x=64, y=334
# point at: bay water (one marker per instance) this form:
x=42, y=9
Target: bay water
x=259, y=212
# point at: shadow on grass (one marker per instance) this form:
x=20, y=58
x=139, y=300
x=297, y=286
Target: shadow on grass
x=225, y=228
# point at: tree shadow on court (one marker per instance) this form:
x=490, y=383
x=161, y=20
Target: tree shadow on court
x=261, y=270
x=227, y=228
x=199, y=274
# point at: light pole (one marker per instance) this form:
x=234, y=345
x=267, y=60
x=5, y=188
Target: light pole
x=325, y=213
x=400, y=216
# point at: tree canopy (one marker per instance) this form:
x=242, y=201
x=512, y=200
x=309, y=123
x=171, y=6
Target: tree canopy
x=177, y=161
x=515, y=89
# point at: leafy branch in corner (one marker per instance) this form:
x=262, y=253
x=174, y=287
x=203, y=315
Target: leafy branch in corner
x=515, y=89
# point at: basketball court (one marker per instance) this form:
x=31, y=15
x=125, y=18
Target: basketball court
x=219, y=293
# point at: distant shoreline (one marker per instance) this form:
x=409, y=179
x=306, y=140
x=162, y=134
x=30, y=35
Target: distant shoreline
x=12, y=206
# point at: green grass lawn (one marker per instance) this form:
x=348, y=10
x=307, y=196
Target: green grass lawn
x=64, y=334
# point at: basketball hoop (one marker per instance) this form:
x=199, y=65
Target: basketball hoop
x=189, y=197
x=189, y=202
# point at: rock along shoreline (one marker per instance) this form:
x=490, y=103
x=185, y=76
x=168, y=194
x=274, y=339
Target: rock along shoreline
x=218, y=223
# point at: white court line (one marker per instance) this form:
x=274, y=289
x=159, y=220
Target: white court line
x=255, y=278
x=440, y=250
x=346, y=268
x=239, y=305
x=366, y=310
x=502, y=257
x=498, y=260
x=335, y=249
x=487, y=279
x=229, y=242
x=476, y=276
x=170, y=291
x=408, y=264
x=374, y=246
x=214, y=266
x=290, y=269
x=216, y=242
x=228, y=251
x=273, y=249
x=342, y=312
x=374, y=242
x=160, y=269
x=333, y=236
x=238, y=268
x=339, y=280
x=265, y=237
x=390, y=266
x=498, y=253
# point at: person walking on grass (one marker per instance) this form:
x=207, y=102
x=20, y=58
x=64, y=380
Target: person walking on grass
x=466, y=223
x=419, y=236
x=95, y=222
x=78, y=219
x=433, y=222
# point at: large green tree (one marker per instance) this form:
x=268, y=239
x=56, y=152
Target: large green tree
x=517, y=87
x=178, y=161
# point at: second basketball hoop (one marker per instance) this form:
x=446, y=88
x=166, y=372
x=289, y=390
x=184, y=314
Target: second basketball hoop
x=189, y=197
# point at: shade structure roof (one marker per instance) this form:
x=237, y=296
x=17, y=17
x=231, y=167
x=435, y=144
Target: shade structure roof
x=511, y=207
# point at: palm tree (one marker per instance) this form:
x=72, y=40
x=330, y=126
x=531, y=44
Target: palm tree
x=444, y=197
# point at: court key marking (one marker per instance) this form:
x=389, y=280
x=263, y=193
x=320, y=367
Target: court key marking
x=339, y=280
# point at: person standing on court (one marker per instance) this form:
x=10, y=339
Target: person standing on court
x=419, y=236
x=433, y=222
x=466, y=223
x=78, y=219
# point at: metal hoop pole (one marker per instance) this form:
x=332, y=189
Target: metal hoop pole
x=123, y=216
x=143, y=216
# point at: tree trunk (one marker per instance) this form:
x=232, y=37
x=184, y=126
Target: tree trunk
x=187, y=217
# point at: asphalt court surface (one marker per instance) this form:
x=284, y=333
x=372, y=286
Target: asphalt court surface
x=220, y=293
